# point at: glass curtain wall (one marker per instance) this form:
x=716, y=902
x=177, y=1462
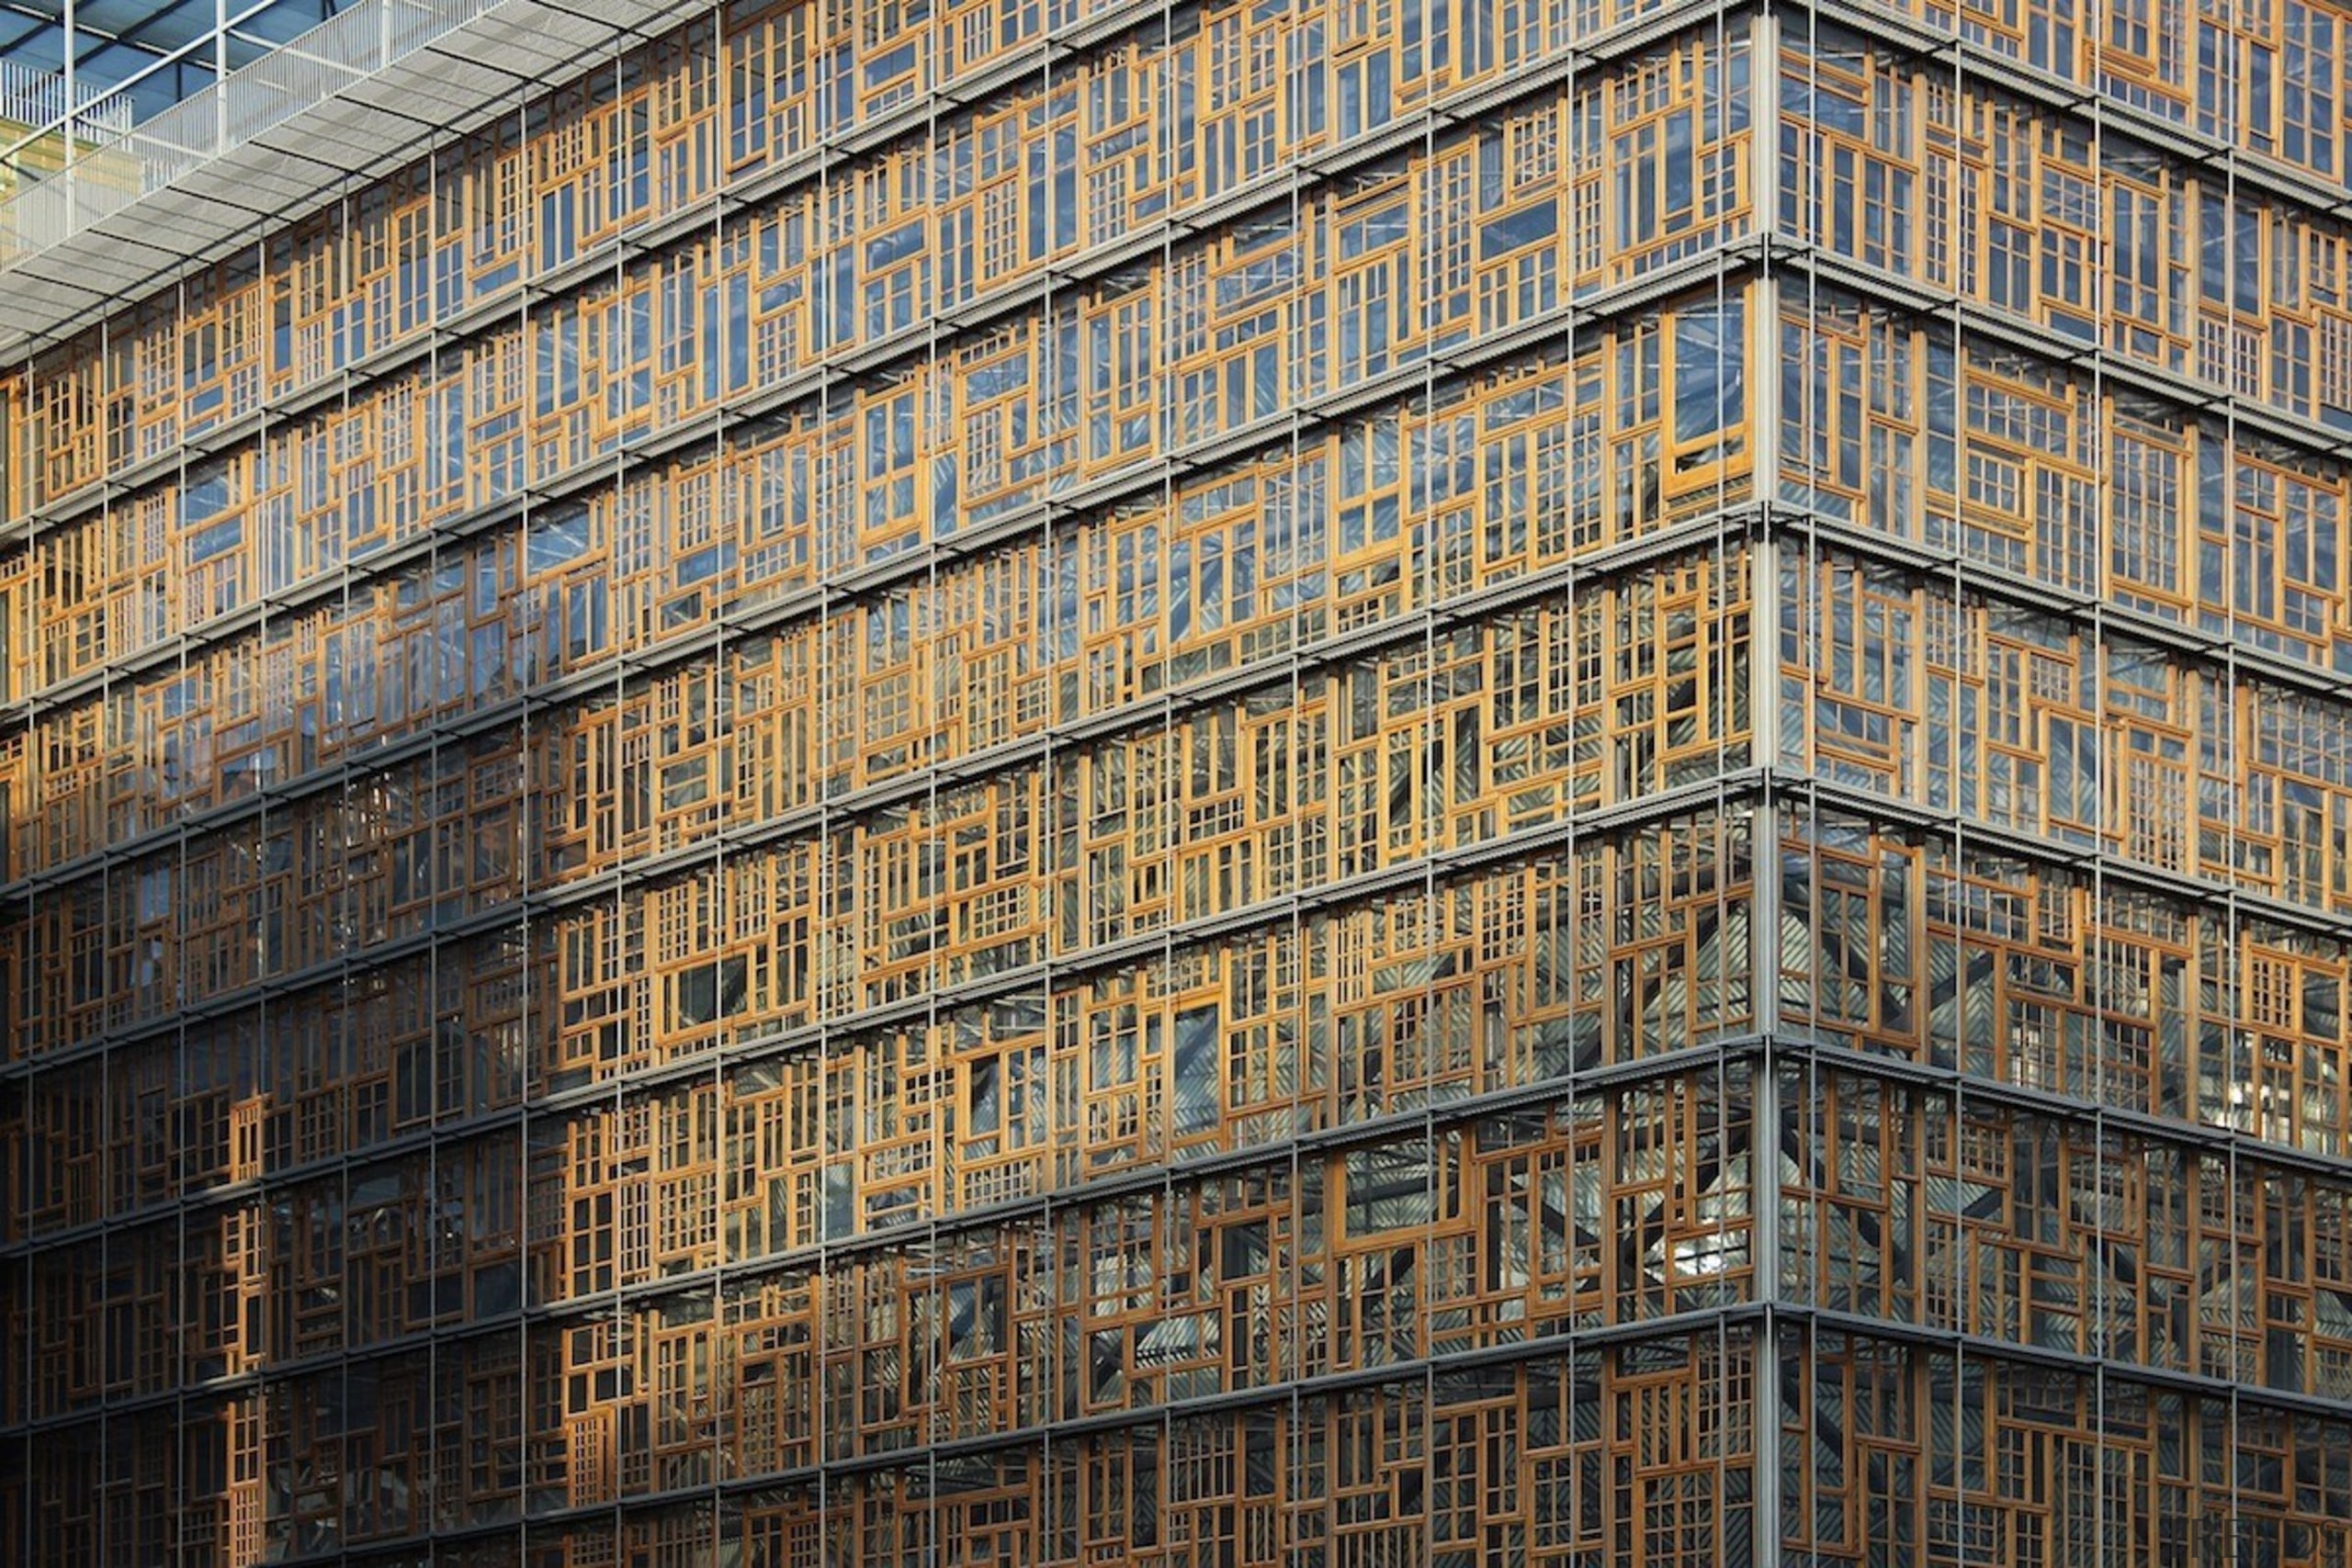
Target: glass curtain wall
x=1401, y=784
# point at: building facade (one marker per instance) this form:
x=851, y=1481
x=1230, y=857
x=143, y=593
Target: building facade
x=1378, y=784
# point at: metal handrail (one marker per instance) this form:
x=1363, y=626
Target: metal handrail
x=34, y=99
x=109, y=175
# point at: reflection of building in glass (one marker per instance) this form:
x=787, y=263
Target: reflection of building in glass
x=1397, y=784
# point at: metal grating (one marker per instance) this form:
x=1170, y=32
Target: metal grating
x=148, y=56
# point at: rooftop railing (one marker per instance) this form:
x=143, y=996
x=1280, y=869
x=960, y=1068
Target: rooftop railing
x=117, y=165
x=30, y=97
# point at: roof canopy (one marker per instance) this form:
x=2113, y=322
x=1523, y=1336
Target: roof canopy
x=149, y=54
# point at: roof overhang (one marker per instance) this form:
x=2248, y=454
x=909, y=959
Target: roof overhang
x=305, y=157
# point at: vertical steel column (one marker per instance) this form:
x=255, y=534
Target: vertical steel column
x=1764, y=925
x=71, y=175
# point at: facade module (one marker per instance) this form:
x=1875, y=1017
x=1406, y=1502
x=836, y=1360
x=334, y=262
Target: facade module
x=1374, y=784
